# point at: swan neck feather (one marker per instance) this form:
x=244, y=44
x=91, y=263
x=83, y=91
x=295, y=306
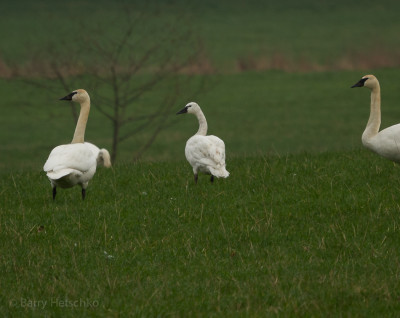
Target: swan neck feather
x=374, y=121
x=79, y=135
x=202, y=123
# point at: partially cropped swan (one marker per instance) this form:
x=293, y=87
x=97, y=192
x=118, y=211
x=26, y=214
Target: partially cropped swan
x=74, y=163
x=205, y=153
x=102, y=155
x=387, y=141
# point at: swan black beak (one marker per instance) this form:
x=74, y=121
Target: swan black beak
x=360, y=83
x=68, y=97
x=182, y=111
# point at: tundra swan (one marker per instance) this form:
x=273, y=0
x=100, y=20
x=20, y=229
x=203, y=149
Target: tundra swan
x=386, y=142
x=74, y=163
x=102, y=155
x=205, y=153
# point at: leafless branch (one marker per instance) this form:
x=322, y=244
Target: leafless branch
x=66, y=87
x=122, y=69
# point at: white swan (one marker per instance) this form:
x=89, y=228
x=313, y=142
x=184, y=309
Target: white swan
x=102, y=155
x=387, y=141
x=205, y=153
x=74, y=163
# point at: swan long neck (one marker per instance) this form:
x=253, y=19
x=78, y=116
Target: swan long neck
x=374, y=121
x=202, y=123
x=79, y=135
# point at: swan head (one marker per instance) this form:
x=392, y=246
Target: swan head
x=104, y=158
x=79, y=96
x=190, y=108
x=369, y=81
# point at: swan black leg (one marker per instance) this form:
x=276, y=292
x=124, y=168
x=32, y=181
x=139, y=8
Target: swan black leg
x=212, y=179
x=196, y=176
x=83, y=194
x=54, y=193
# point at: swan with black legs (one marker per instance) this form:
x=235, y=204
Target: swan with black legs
x=75, y=163
x=205, y=154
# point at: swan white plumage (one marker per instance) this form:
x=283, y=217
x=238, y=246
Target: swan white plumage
x=74, y=163
x=205, y=153
x=103, y=157
x=386, y=142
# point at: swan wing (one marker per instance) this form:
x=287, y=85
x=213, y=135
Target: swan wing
x=102, y=155
x=217, y=151
x=55, y=175
x=93, y=148
x=75, y=157
x=205, y=151
x=386, y=143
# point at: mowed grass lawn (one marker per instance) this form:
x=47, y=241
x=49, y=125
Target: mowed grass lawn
x=306, y=234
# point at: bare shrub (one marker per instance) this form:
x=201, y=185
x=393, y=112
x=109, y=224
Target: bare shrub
x=119, y=69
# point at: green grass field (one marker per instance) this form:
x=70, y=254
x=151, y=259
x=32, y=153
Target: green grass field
x=296, y=235
x=307, y=224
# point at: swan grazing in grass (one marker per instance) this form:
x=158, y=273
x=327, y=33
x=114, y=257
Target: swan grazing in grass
x=387, y=141
x=205, y=153
x=74, y=163
x=102, y=155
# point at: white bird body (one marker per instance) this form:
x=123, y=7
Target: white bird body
x=71, y=164
x=386, y=142
x=205, y=154
x=75, y=163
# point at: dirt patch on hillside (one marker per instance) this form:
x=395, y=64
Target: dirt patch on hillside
x=352, y=60
x=5, y=70
x=346, y=62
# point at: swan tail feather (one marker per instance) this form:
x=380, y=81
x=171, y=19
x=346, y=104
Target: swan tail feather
x=220, y=173
x=55, y=175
